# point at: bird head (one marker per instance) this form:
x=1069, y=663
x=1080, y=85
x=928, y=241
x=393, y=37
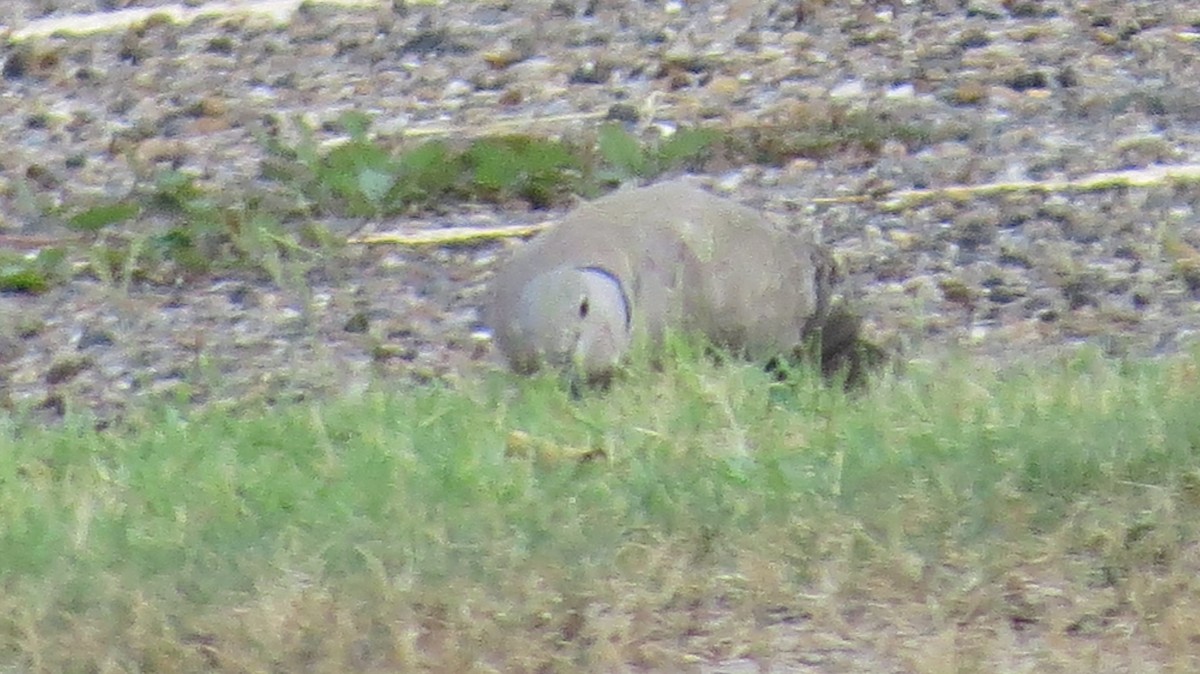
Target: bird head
x=576, y=318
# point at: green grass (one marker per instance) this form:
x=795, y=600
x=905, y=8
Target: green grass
x=394, y=531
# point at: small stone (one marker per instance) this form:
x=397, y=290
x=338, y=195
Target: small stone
x=502, y=58
x=591, y=73
x=245, y=297
x=689, y=61
x=724, y=86
x=749, y=40
x=15, y=66
x=1079, y=293
x=10, y=348
x=207, y=125
x=456, y=88
x=622, y=112
x=1067, y=77
x=210, y=106
x=1026, y=10
x=359, y=323
x=66, y=369
x=94, y=337
x=385, y=352
x=154, y=150
x=1002, y=294
x=976, y=228
x=957, y=292
x=973, y=39
x=903, y=239
x=438, y=42
x=562, y=8
x=55, y=403
x=28, y=329
x=988, y=9
x=1028, y=80
x=490, y=80
x=969, y=93
x=223, y=45
x=850, y=89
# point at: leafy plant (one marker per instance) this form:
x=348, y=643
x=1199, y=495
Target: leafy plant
x=534, y=169
x=97, y=218
x=627, y=157
x=360, y=177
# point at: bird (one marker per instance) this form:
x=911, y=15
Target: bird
x=640, y=263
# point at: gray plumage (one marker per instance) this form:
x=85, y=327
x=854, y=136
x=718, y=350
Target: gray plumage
x=637, y=263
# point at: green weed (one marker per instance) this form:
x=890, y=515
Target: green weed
x=31, y=274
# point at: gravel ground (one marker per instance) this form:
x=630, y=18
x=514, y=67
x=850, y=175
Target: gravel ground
x=19, y=12
x=1007, y=91
x=1001, y=91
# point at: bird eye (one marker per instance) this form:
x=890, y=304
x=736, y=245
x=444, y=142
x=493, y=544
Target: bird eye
x=583, y=308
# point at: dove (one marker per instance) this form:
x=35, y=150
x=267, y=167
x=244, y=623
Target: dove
x=639, y=263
